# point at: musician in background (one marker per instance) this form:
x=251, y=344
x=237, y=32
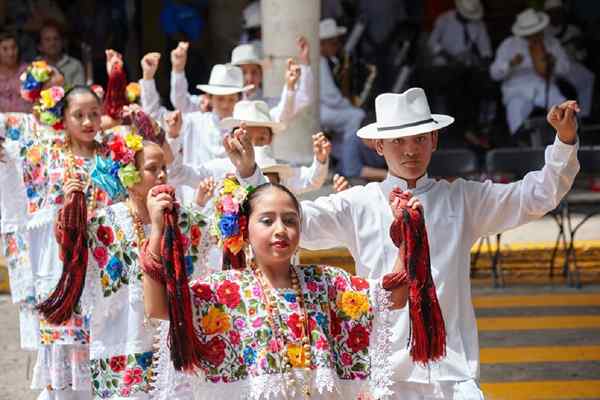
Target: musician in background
x=571, y=38
x=528, y=64
x=338, y=115
x=461, y=51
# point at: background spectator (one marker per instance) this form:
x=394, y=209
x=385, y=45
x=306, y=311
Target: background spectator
x=10, y=71
x=51, y=49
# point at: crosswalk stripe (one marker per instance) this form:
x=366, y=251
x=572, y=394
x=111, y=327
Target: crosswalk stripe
x=542, y=390
x=554, y=300
x=535, y=354
x=546, y=322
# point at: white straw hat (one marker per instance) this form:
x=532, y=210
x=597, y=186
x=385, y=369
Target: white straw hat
x=529, y=22
x=252, y=113
x=225, y=79
x=401, y=115
x=249, y=53
x=252, y=18
x=268, y=164
x=328, y=29
x=470, y=9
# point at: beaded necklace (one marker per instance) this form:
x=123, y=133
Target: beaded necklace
x=138, y=225
x=273, y=315
x=72, y=173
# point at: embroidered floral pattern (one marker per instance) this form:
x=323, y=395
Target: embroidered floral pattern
x=16, y=253
x=231, y=320
x=73, y=331
x=122, y=375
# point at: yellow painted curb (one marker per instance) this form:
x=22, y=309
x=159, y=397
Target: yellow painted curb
x=549, y=300
x=535, y=323
x=533, y=354
x=542, y=390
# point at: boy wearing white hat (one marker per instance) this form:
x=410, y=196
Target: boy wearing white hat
x=528, y=63
x=296, y=93
x=456, y=214
x=337, y=113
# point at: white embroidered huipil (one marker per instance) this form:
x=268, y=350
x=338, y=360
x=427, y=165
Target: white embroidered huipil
x=449, y=35
x=282, y=110
x=522, y=87
x=456, y=215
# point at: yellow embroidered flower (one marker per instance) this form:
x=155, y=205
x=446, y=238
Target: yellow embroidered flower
x=215, y=321
x=104, y=280
x=134, y=142
x=354, y=304
x=34, y=154
x=229, y=185
x=296, y=355
x=247, y=293
x=120, y=235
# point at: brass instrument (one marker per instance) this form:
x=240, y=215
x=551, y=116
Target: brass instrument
x=355, y=79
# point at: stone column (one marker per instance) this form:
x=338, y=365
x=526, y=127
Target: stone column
x=283, y=21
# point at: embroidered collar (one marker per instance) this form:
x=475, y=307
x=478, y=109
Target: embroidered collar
x=424, y=183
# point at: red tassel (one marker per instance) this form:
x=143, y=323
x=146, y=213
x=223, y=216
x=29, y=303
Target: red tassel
x=185, y=346
x=116, y=97
x=71, y=233
x=428, y=331
x=233, y=261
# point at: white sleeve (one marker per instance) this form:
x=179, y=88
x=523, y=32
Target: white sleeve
x=181, y=174
x=330, y=94
x=495, y=208
x=500, y=68
x=292, y=102
x=307, y=179
x=181, y=99
x=327, y=222
x=150, y=100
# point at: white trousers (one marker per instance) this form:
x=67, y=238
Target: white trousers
x=464, y=390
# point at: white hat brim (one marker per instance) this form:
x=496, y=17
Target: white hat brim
x=371, y=131
x=249, y=61
x=341, y=30
x=519, y=31
x=223, y=90
x=230, y=123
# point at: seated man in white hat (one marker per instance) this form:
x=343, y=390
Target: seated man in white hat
x=528, y=64
x=461, y=50
x=337, y=113
x=572, y=40
x=296, y=93
x=457, y=214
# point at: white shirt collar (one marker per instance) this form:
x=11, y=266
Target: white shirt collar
x=424, y=183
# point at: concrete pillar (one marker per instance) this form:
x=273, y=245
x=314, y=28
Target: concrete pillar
x=283, y=21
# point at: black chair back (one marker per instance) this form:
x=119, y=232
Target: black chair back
x=452, y=163
x=589, y=159
x=515, y=161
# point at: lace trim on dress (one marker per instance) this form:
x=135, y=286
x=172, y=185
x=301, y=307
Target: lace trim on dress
x=380, y=348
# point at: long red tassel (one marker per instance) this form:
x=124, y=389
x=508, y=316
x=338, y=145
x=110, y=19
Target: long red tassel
x=72, y=238
x=428, y=331
x=115, y=98
x=183, y=340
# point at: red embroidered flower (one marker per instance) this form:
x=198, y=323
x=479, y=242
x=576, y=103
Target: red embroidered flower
x=195, y=234
x=336, y=325
x=117, y=364
x=133, y=376
x=101, y=256
x=359, y=283
x=202, y=290
x=340, y=283
x=105, y=235
x=312, y=286
x=322, y=344
x=234, y=337
x=228, y=293
x=12, y=246
x=214, y=351
x=346, y=359
x=295, y=326
x=358, y=338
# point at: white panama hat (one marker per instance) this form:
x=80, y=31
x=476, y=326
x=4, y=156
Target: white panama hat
x=252, y=17
x=252, y=113
x=470, y=9
x=250, y=53
x=328, y=29
x=401, y=115
x=529, y=22
x=268, y=164
x=225, y=79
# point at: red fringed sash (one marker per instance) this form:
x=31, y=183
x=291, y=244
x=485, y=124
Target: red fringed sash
x=115, y=98
x=428, y=332
x=183, y=340
x=71, y=233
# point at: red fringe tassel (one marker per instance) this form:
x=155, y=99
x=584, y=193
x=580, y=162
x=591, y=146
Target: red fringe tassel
x=428, y=331
x=71, y=232
x=115, y=98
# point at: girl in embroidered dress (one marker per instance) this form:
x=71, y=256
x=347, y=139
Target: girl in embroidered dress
x=274, y=328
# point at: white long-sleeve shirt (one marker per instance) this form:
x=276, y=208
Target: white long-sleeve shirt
x=282, y=110
x=456, y=215
x=449, y=35
x=500, y=70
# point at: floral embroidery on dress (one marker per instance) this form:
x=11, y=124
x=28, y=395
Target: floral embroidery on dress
x=16, y=253
x=73, y=331
x=122, y=375
x=231, y=320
